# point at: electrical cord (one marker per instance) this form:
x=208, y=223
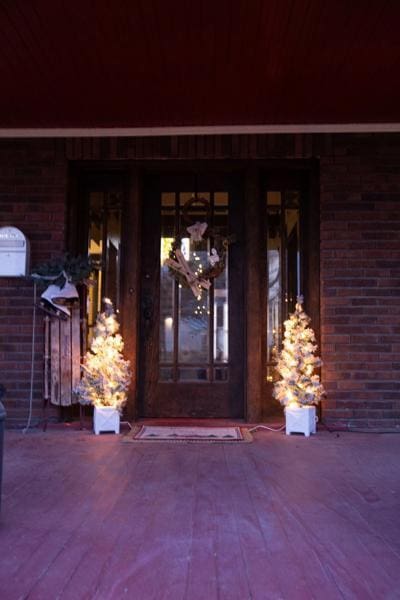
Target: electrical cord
x=257, y=427
x=28, y=424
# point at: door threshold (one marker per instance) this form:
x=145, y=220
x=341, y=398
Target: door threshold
x=192, y=422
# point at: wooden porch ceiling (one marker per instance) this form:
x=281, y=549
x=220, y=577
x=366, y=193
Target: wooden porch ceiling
x=184, y=63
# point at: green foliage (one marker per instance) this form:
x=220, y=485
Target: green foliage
x=77, y=269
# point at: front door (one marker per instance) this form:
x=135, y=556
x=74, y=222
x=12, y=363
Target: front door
x=191, y=361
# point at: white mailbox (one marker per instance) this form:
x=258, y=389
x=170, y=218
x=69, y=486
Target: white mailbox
x=14, y=253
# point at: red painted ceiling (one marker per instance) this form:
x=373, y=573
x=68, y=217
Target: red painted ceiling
x=140, y=63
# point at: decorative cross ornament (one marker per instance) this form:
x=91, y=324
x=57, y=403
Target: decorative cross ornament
x=180, y=265
x=197, y=231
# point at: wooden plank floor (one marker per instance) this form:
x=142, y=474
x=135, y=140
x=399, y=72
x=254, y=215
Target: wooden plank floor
x=87, y=516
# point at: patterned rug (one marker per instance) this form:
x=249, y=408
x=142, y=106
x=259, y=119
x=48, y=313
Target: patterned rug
x=180, y=433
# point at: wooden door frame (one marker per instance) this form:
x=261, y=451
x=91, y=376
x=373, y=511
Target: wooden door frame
x=80, y=173
x=210, y=397
x=255, y=391
x=261, y=403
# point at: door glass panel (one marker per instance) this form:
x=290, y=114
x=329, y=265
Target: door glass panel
x=166, y=374
x=192, y=374
x=274, y=274
x=167, y=290
x=113, y=248
x=197, y=208
x=221, y=315
x=104, y=248
x=193, y=330
x=193, y=327
x=293, y=257
x=95, y=251
x=221, y=374
x=283, y=266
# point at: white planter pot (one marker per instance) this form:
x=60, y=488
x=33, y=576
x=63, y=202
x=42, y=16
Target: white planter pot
x=105, y=418
x=301, y=419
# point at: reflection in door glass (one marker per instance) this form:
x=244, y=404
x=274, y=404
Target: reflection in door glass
x=192, y=374
x=104, y=244
x=283, y=267
x=193, y=333
x=194, y=312
x=221, y=314
x=292, y=257
x=167, y=291
x=274, y=274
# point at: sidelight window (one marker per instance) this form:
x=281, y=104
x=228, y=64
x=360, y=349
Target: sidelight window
x=283, y=266
x=104, y=247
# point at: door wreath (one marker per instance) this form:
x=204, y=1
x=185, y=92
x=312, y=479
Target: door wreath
x=192, y=274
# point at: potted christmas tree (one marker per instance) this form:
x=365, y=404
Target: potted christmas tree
x=299, y=390
x=106, y=374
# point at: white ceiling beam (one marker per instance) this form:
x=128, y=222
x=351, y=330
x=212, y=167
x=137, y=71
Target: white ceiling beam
x=96, y=132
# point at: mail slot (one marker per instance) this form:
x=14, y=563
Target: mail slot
x=14, y=253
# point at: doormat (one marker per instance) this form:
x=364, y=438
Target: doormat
x=180, y=433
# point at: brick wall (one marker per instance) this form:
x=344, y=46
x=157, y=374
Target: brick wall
x=360, y=252
x=33, y=178
x=360, y=281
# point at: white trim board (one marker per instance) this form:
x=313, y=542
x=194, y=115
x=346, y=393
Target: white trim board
x=104, y=132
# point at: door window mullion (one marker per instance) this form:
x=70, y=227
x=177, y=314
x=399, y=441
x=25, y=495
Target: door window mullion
x=211, y=303
x=176, y=299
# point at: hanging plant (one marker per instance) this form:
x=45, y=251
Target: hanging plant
x=75, y=269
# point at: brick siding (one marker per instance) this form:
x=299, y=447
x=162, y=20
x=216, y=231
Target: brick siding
x=360, y=281
x=360, y=255
x=33, y=184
